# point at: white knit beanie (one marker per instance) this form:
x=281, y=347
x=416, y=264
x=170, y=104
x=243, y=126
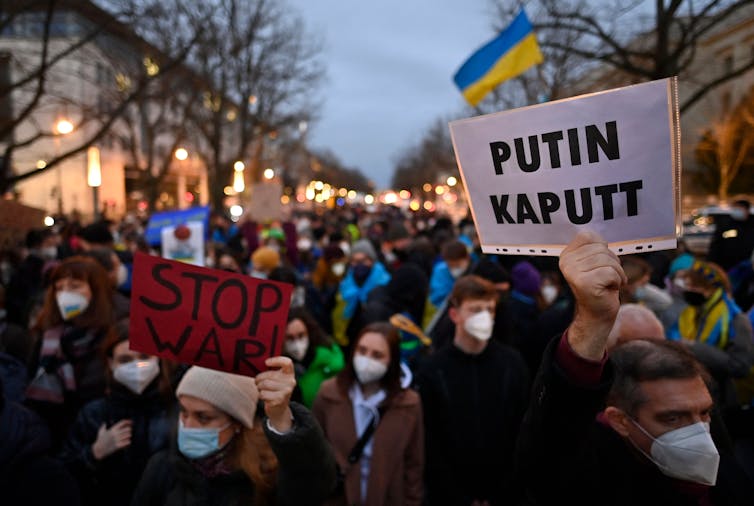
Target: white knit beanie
x=231, y=393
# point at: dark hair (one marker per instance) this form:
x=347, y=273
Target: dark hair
x=99, y=315
x=472, y=287
x=635, y=268
x=103, y=256
x=643, y=360
x=317, y=336
x=454, y=250
x=36, y=236
x=391, y=382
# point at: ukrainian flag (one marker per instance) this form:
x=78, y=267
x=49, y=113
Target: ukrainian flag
x=506, y=56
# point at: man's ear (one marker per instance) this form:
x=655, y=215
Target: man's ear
x=453, y=314
x=618, y=420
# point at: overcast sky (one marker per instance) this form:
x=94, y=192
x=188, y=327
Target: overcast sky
x=390, y=65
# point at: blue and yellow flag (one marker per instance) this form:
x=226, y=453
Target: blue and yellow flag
x=506, y=56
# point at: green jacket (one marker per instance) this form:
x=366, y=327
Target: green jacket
x=327, y=363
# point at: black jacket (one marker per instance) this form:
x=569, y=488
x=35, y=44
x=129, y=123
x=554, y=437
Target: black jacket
x=565, y=455
x=305, y=475
x=113, y=479
x=473, y=405
x=28, y=475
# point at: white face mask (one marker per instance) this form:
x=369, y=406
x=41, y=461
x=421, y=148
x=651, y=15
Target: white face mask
x=480, y=325
x=304, y=244
x=345, y=247
x=122, y=275
x=71, y=304
x=298, y=296
x=258, y=274
x=368, y=369
x=549, y=293
x=49, y=252
x=297, y=348
x=687, y=453
x=137, y=375
x=457, y=272
x=339, y=269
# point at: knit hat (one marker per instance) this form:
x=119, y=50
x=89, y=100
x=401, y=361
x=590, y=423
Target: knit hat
x=681, y=263
x=526, y=278
x=265, y=258
x=364, y=246
x=231, y=393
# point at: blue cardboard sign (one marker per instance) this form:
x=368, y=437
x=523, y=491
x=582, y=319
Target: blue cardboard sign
x=173, y=218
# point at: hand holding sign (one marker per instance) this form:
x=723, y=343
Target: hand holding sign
x=275, y=389
x=595, y=275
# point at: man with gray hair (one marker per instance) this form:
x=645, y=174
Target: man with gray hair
x=635, y=426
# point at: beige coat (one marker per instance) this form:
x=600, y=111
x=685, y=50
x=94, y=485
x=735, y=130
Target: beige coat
x=397, y=465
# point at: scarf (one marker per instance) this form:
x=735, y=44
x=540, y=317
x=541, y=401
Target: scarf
x=353, y=294
x=709, y=323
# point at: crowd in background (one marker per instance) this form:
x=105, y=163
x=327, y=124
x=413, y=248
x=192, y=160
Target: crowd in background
x=413, y=353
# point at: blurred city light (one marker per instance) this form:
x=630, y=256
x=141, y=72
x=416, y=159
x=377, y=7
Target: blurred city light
x=63, y=126
x=93, y=169
x=49, y=221
x=236, y=211
x=181, y=154
x=452, y=181
x=269, y=173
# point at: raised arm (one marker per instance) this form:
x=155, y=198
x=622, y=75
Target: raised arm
x=595, y=275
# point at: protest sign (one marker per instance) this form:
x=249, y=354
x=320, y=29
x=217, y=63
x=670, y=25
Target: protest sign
x=607, y=161
x=158, y=221
x=264, y=202
x=208, y=317
x=184, y=243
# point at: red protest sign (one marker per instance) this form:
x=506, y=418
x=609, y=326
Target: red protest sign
x=207, y=317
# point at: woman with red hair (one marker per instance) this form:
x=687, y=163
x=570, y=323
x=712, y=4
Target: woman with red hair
x=75, y=319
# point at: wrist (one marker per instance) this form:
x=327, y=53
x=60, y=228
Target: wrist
x=96, y=452
x=281, y=422
x=587, y=335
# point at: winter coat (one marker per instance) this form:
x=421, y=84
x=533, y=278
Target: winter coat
x=71, y=365
x=28, y=475
x=566, y=456
x=395, y=472
x=305, y=475
x=473, y=405
x=113, y=479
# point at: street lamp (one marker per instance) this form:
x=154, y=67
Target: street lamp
x=63, y=127
x=238, y=182
x=94, y=176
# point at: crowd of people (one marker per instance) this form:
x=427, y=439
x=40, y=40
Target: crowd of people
x=416, y=370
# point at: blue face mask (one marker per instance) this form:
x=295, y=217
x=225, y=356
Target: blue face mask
x=198, y=443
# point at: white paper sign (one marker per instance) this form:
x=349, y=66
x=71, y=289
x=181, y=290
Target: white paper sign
x=606, y=161
x=184, y=243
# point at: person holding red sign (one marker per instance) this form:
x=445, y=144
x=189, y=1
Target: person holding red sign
x=228, y=454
